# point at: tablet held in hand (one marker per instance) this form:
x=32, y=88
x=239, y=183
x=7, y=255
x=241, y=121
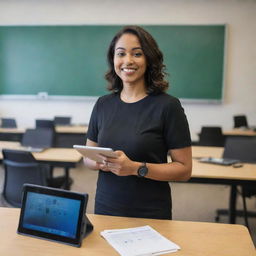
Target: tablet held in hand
x=95, y=153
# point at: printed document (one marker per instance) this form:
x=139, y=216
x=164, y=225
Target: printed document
x=139, y=241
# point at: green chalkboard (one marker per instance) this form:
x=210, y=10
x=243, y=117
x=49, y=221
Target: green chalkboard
x=71, y=60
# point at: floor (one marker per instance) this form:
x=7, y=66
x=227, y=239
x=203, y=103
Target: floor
x=191, y=202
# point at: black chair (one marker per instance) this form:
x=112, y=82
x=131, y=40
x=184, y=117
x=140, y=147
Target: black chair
x=243, y=149
x=211, y=136
x=38, y=138
x=44, y=123
x=62, y=120
x=240, y=121
x=8, y=123
x=21, y=167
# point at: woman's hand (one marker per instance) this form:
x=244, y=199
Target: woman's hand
x=121, y=166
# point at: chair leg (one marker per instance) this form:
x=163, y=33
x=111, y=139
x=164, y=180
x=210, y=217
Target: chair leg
x=51, y=172
x=245, y=211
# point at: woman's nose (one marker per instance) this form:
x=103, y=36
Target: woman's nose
x=128, y=59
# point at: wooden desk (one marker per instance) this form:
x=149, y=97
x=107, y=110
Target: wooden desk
x=194, y=238
x=11, y=134
x=239, y=132
x=71, y=129
x=218, y=174
x=59, y=157
x=66, y=136
x=12, y=130
x=59, y=128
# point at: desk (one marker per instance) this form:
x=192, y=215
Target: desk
x=69, y=135
x=218, y=174
x=71, y=129
x=59, y=157
x=239, y=132
x=195, y=238
x=12, y=134
x=66, y=136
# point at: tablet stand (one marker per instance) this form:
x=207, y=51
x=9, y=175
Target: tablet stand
x=87, y=227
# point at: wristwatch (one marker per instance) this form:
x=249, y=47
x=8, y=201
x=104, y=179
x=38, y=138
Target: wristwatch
x=143, y=170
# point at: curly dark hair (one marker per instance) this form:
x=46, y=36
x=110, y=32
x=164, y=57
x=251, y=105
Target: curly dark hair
x=155, y=72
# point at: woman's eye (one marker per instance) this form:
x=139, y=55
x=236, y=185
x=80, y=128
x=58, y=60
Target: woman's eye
x=138, y=54
x=120, y=54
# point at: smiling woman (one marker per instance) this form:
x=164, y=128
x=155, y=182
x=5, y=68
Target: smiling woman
x=143, y=124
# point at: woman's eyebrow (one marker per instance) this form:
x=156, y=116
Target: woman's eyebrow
x=122, y=48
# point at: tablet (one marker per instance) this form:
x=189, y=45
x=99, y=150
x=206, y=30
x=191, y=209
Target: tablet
x=220, y=161
x=54, y=214
x=95, y=153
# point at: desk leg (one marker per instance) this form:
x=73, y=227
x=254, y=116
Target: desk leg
x=67, y=186
x=232, y=205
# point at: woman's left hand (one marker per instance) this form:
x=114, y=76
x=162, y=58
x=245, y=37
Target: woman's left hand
x=121, y=166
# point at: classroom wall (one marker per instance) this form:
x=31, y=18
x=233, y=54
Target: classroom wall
x=240, y=75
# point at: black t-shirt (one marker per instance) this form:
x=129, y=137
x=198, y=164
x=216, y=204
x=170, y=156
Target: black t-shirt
x=145, y=131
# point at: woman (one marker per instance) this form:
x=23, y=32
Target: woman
x=142, y=124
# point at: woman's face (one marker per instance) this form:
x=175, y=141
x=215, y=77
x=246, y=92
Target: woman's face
x=129, y=60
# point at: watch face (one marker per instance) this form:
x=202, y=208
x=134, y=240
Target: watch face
x=143, y=170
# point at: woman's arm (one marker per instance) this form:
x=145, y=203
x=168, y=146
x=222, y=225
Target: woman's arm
x=178, y=170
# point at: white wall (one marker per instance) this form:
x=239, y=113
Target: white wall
x=240, y=75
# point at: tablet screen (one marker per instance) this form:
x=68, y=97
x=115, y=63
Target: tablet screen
x=52, y=214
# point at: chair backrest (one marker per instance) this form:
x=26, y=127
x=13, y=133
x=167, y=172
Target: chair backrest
x=20, y=167
x=241, y=148
x=38, y=138
x=211, y=136
x=8, y=123
x=43, y=123
x=240, y=121
x=62, y=120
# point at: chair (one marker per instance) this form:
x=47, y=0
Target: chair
x=243, y=149
x=8, y=123
x=38, y=138
x=21, y=167
x=62, y=120
x=240, y=121
x=211, y=136
x=44, y=123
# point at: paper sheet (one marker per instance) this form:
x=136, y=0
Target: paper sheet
x=139, y=241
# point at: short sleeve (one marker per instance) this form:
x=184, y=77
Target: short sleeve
x=176, y=128
x=92, y=133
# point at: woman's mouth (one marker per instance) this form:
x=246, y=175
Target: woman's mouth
x=128, y=70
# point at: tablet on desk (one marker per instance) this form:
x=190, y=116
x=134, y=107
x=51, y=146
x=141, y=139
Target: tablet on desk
x=54, y=214
x=220, y=161
x=95, y=153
